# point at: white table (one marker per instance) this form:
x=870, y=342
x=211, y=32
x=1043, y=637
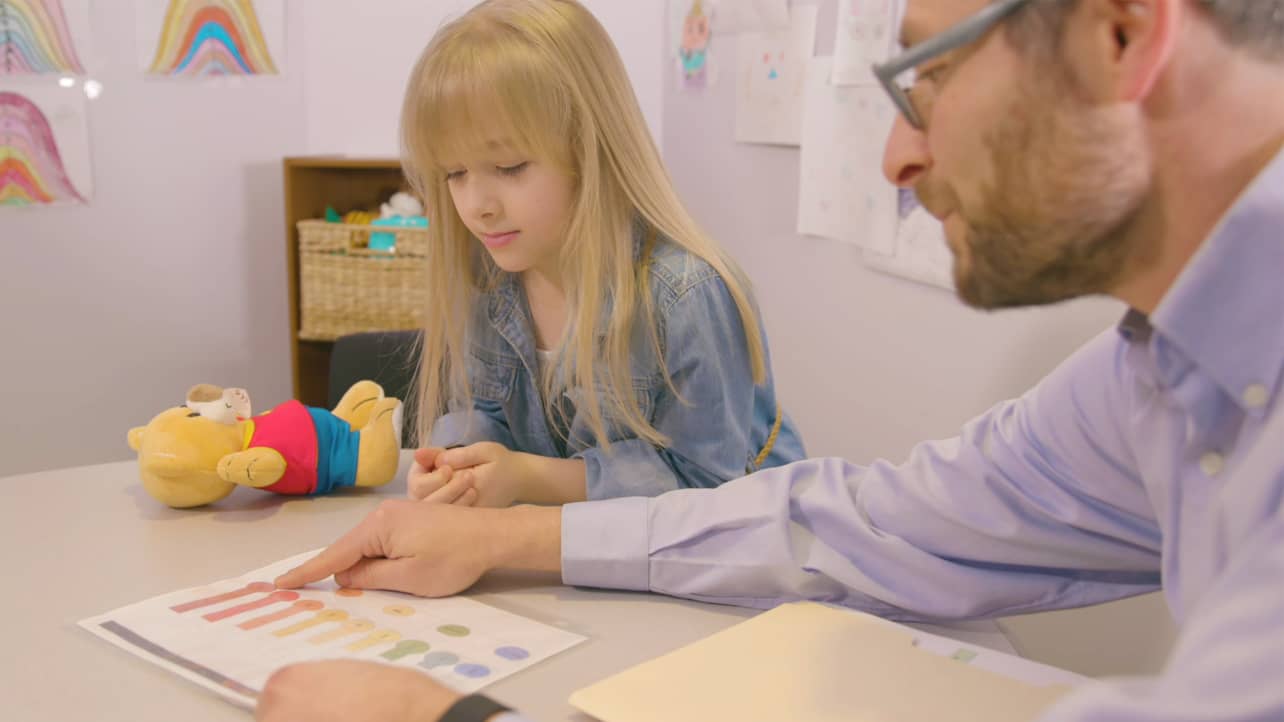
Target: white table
x=82, y=541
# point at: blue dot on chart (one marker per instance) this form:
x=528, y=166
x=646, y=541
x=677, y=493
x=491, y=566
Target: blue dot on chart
x=473, y=670
x=513, y=653
x=438, y=659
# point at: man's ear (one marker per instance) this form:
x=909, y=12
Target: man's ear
x=1119, y=48
x=1147, y=32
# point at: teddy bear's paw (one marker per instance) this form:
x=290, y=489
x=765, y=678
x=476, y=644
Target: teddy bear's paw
x=257, y=467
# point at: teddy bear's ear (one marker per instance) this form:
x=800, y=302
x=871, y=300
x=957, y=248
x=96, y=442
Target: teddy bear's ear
x=203, y=393
x=136, y=438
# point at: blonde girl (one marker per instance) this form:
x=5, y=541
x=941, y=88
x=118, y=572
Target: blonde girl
x=584, y=339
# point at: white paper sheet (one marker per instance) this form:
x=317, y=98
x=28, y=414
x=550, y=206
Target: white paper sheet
x=230, y=636
x=1007, y=665
x=864, y=35
x=165, y=27
x=44, y=138
x=749, y=16
x=771, y=71
x=692, y=25
x=842, y=193
x=44, y=37
x=920, y=252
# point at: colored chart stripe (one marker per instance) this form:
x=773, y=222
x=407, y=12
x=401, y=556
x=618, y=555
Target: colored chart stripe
x=273, y=598
x=159, y=651
x=303, y=605
x=343, y=631
x=251, y=588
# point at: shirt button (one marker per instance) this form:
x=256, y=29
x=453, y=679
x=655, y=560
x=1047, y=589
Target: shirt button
x=1256, y=396
x=1211, y=463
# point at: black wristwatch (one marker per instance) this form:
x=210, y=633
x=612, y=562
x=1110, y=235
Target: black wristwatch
x=473, y=708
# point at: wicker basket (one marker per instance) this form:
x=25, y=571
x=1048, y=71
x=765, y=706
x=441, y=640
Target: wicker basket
x=346, y=288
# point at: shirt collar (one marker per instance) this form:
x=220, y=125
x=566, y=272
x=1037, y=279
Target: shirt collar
x=1225, y=312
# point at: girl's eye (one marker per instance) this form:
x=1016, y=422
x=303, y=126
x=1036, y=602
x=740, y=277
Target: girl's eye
x=512, y=169
x=455, y=175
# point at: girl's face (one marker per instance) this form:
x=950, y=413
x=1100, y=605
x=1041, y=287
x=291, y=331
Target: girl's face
x=695, y=32
x=517, y=207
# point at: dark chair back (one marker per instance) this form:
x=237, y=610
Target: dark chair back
x=385, y=357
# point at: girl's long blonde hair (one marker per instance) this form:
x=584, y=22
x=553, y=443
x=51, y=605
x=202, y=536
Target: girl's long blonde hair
x=544, y=76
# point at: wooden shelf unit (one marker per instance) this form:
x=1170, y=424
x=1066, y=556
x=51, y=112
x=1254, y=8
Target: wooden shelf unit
x=311, y=184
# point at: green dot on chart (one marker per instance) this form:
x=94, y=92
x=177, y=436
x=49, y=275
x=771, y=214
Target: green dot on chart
x=964, y=655
x=405, y=648
x=453, y=630
x=438, y=659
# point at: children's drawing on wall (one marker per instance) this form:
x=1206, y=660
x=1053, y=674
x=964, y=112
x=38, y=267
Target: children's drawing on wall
x=39, y=37
x=771, y=70
x=841, y=190
x=750, y=16
x=921, y=252
x=864, y=36
x=203, y=38
x=691, y=24
x=44, y=146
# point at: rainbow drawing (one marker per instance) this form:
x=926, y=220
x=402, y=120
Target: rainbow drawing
x=31, y=167
x=35, y=38
x=211, y=37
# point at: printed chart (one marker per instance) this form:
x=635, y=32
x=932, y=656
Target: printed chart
x=230, y=636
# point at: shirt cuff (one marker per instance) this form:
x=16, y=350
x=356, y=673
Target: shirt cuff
x=605, y=544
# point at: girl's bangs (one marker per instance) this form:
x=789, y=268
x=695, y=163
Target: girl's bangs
x=487, y=97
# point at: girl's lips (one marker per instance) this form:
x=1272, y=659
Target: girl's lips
x=498, y=240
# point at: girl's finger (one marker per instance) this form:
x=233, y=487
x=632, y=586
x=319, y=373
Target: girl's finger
x=422, y=485
x=451, y=491
x=468, y=498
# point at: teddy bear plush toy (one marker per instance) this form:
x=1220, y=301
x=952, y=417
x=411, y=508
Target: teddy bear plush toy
x=197, y=453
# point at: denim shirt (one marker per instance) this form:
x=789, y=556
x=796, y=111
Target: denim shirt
x=716, y=427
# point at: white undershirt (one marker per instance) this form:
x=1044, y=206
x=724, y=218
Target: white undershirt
x=543, y=359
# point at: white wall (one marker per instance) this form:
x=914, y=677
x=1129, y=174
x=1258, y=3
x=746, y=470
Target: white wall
x=175, y=272
x=172, y=275
x=870, y=364
x=353, y=107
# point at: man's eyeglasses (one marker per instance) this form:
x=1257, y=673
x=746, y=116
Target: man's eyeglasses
x=898, y=77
